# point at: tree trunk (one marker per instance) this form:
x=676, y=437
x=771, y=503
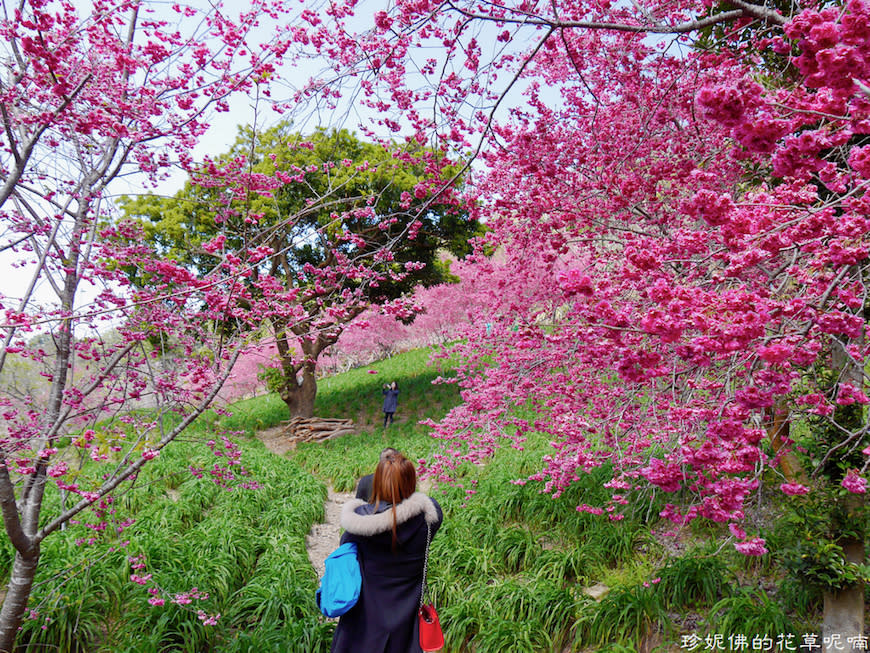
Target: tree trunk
x=779, y=433
x=17, y=595
x=299, y=395
x=844, y=610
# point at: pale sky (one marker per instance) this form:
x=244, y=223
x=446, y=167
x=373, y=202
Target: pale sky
x=223, y=129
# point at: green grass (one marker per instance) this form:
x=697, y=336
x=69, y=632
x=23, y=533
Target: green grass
x=357, y=395
x=626, y=615
x=252, y=415
x=750, y=611
x=696, y=579
x=508, y=568
x=244, y=548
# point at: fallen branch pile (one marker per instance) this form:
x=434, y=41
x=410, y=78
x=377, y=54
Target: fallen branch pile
x=317, y=429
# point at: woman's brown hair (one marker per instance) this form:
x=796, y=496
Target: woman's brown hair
x=394, y=481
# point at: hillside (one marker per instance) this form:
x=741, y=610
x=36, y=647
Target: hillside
x=511, y=570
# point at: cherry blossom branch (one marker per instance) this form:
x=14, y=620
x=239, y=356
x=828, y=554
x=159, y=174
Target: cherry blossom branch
x=25, y=153
x=134, y=467
x=654, y=28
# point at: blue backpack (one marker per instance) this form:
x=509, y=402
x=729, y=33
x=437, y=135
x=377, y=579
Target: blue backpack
x=341, y=582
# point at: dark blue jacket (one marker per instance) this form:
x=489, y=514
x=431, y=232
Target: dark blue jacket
x=384, y=620
x=365, y=487
x=391, y=400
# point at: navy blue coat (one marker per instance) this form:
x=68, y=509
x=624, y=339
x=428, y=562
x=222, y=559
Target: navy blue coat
x=365, y=487
x=391, y=400
x=384, y=620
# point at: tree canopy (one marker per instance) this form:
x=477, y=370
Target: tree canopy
x=339, y=224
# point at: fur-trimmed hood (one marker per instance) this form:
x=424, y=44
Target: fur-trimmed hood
x=381, y=522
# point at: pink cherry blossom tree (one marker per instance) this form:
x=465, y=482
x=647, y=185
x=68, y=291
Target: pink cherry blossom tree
x=680, y=198
x=336, y=224
x=89, y=100
x=442, y=314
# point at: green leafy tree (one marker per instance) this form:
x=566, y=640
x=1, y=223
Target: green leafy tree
x=342, y=224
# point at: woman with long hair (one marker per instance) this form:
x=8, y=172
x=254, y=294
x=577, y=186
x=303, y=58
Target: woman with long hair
x=390, y=532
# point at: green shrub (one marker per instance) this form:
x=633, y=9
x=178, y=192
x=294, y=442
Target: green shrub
x=692, y=580
x=749, y=611
x=626, y=615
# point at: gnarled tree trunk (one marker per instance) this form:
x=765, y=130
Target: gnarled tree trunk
x=299, y=393
x=297, y=385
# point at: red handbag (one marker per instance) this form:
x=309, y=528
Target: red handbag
x=431, y=635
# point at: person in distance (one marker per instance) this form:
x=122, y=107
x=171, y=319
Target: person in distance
x=391, y=401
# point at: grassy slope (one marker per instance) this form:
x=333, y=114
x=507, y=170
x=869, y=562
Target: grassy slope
x=508, y=568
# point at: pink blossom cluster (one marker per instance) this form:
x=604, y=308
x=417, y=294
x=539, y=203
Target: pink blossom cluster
x=229, y=473
x=669, y=248
x=158, y=596
x=854, y=482
x=573, y=281
x=834, y=46
x=109, y=340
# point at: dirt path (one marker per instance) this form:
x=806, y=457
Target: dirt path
x=323, y=538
